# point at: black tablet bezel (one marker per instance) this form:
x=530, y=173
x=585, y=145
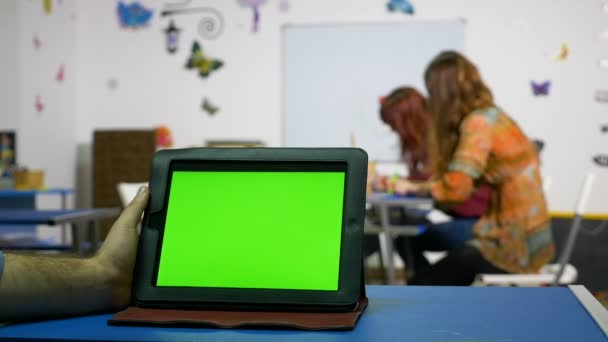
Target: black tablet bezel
x=354, y=162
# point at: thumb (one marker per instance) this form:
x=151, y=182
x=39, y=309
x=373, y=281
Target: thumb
x=132, y=213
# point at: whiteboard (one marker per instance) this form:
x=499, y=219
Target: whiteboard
x=334, y=75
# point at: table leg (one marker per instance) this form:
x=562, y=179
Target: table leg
x=77, y=238
x=409, y=258
x=95, y=236
x=388, y=238
x=64, y=231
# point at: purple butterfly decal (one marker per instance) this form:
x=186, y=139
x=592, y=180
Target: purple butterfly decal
x=540, y=89
x=36, y=41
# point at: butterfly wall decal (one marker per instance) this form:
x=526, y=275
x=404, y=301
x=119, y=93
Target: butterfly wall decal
x=208, y=107
x=601, y=95
x=284, y=6
x=563, y=53
x=39, y=105
x=539, y=144
x=134, y=15
x=601, y=160
x=540, y=89
x=112, y=83
x=36, y=41
x=203, y=64
x=47, y=5
x=404, y=6
x=60, y=73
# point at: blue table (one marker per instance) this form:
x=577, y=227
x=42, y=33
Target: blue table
x=59, y=217
x=395, y=313
x=54, y=217
x=10, y=198
x=26, y=199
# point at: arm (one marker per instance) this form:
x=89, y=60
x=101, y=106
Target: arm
x=468, y=163
x=35, y=286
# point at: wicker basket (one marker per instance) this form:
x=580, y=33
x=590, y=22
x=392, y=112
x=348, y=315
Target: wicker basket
x=29, y=180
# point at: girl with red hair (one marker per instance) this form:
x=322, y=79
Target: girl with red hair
x=405, y=111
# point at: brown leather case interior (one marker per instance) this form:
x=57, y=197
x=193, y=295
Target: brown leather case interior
x=242, y=319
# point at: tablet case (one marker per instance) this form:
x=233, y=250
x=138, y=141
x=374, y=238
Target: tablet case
x=134, y=315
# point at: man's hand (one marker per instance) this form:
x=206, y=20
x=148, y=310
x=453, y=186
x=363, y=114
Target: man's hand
x=116, y=257
x=41, y=286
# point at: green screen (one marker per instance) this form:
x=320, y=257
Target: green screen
x=264, y=230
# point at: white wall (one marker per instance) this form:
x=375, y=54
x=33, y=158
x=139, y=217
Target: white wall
x=512, y=42
x=47, y=139
x=9, y=62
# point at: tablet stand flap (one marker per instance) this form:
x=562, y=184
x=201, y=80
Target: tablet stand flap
x=241, y=319
x=244, y=319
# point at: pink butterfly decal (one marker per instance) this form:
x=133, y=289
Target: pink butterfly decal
x=36, y=41
x=284, y=6
x=60, y=73
x=39, y=105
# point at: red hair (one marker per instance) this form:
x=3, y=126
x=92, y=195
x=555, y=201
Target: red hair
x=405, y=110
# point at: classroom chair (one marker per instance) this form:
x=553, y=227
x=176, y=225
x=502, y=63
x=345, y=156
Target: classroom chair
x=119, y=156
x=128, y=191
x=560, y=273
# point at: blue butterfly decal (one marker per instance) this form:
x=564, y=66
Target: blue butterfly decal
x=404, y=6
x=134, y=15
x=540, y=89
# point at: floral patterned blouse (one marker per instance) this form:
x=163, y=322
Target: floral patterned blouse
x=514, y=234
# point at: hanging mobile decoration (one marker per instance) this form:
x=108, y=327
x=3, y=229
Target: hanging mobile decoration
x=284, y=6
x=255, y=6
x=211, y=23
x=172, y=36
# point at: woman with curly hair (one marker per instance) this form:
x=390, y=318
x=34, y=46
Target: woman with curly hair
x=473, y=142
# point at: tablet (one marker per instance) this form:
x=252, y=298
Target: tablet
x=254, y=229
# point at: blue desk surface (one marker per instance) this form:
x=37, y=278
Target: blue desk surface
x=395, y=313
x=29, y=193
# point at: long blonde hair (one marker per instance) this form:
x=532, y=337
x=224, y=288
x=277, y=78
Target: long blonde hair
x=455, y=90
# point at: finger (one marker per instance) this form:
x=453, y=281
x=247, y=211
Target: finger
x=132, y=213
